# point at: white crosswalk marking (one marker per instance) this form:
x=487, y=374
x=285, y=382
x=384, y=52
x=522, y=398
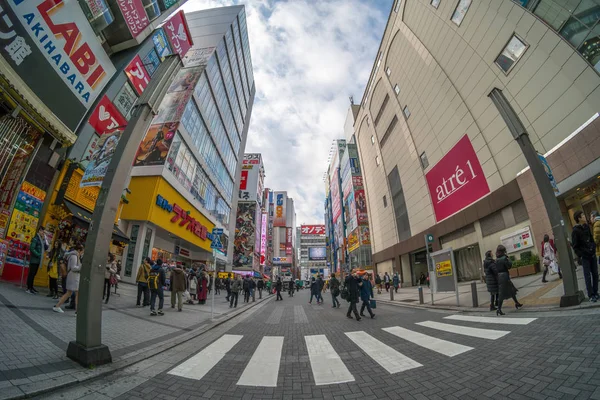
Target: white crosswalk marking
x=299, y=315
x=263, y=368
x=492, y=320
x=200, y=364
x=327, y=366
x=464, y=330
x=441, y=346
x=391, y=360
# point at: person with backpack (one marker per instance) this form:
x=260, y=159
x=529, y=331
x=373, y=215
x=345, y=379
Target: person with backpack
x=314, y=290
x=352, y=286
x=260, y=285
x=74, y=268
x=278, y=287
x=236, y=286
x=156, y=283
x=334, y=284
x=142, y=282
x=109, y=273
x=378, y=283
x=246, y=288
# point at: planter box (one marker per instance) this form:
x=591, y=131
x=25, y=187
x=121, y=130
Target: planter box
x=527, y=270
x=513, y=272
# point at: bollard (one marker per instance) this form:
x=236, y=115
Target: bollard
x=474, y=294
x=391, y=293
x=421, y=295
x=253, y=295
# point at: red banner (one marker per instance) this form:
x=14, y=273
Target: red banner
x=137, y=74
x=178, y=34
x=135, y=15
x=244, y=180
x=456, y=181
x=312, y=229
x=106, y=117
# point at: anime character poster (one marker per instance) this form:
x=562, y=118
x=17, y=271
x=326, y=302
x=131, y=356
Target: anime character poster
x=361, y=207
x=245, y=235
x=100, y=159
x=155, y=146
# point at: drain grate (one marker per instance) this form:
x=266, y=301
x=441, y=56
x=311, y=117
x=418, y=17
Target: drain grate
x=408, y=300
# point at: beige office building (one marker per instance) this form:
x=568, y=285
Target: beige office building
x=438, y=158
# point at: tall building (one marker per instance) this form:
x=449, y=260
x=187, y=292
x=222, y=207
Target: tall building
x=335, y=207
x=284, y=236
x=188, y=166
x=436, y=155
x=313, y=251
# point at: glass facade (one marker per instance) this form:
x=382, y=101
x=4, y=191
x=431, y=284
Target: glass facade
x=575, y=20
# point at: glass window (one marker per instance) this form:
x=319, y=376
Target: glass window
x=555, y=12
x=406, y=112
x=590, y=48
x=459, y=12
x=514, y=50
x=384, y=201
x=424, y=160
x=377, y=160
x=388, y=71
x=372, y=139
x=435, y=3
x=397, y=89
x=397, y=6
x=575, y=31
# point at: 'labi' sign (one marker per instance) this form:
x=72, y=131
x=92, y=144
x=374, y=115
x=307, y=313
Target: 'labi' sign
x=457, y=180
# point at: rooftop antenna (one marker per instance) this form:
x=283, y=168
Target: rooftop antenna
x=351, y=100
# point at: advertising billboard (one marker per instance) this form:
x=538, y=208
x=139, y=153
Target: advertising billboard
x=317, y=253
x=458, y=169
x=52, y=47
x=155, y=146
x=365, y=235
x=288, y=241
x=280, y=209
x=312, y=229
x=263, y=238
x=250, y=189
x=137, y=74
x=336, y=206
x=353, y=241
x=245, y=235
x=178, y=34
x=361, y=207
x=100, y=159
x=134, y=15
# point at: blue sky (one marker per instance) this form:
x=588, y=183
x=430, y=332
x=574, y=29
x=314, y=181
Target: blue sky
x=308, y=58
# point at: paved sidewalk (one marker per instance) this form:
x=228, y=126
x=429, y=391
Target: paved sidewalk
x=33, y=356
x=535, y=295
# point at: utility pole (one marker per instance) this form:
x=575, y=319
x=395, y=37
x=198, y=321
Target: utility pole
x=88, y=349
x=573, y=295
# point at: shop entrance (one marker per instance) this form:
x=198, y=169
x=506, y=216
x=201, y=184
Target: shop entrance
x=468, y=263
x=418, y=266
x=585, y=197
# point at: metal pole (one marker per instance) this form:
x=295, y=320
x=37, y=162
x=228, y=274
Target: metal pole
x=474, y=294
x=88, y=349
x=429, y=269
x=212, y=305
x=573, y=295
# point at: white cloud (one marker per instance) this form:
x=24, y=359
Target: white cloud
x=308, y=57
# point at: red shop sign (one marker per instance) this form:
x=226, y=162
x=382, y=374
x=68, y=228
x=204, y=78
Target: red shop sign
x=137, y=74
x=456, y=181
x=178, y=34
x=106, y=118
x=244, y=180
x=134, y=15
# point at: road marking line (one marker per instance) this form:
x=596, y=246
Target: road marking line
x=465, y=330
x=263, y=367
x=275, y=316
x=200, y=364
x=391, y=360
x=299, y=315
x=491, y=320
x=327, y=366
x=441, y=346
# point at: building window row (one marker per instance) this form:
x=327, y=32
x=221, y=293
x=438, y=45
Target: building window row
x=236, y=71
x=214, y=72
x=229, y=83
x=240, y=58
x=246, y=49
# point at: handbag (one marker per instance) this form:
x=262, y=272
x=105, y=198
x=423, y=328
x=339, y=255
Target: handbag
x=113, y=280
x=186, y=295
x=373, y=303
x=554, y=267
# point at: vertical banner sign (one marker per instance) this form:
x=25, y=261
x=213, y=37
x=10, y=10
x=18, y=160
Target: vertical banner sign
x=456, y=181
x=137, y=74
x=244, y=180
x=361, y=207
x=178, y=34
x=134, y=15
x=245, y=233
x=100, y=159
x=288, y=241
x=263, y=238
x=280, y=209
x=161, y=43
x=106, y=117
x=549, y=174
x=52, y=47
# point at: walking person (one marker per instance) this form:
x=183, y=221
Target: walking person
x=202, y=285
x=334, y=284
x=217, y=286
x=278, y=287
x=236, y=286
x=119, y=267
x=142, y=282
x=56, y=257
x=228, y=282
x=506, y=289
x=74, y=268
x=260, y=285
x=192, y=280
x=378, y=283
x=246, y=287
x=584, y=246
x=596, y=232
x=386, y=281
x=366, y=294
x=549, y=257
x=396, y=282
x=321, y=284
x=109, y=272
x=177, y=287
x=291, y=288
x=353, y=284
x=491, y=279
x=156, y=283
x=314, y=290
x=37, y=248
x=252, y=288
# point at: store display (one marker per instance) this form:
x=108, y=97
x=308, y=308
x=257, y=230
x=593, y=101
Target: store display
x=3, y=253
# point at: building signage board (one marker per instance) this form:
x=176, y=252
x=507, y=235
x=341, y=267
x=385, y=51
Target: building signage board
x=182, y=217
x=280, y=209
x=52, y=47
x=178, y=34
x=518, y=240
x=336, y=206
x=365, y=236
x=134, y=15
x=196, y=57
x=161, y=43
x=250, y=178
x=263, y=238
x=353, y=241
x=288, y=242
x=312, y=229
x=456, y=181
x=125, y=100
x=282, y=260
x=151, y=61
x=137, y=74
x=100, y=159
x=106, y=118
x=362, y=215
x=245, y=235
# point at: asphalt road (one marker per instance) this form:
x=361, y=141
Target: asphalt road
x=290, y=349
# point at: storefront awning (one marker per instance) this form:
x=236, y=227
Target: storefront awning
x=86, y=217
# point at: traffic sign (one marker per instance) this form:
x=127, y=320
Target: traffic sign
x=429, y=237
x=216, y=242
x=217, y=231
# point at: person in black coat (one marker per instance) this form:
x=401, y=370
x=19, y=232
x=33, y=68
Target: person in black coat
x=260, y=285
x=506, y=289
x=314, y=290
x=585, y=248
x=353, y=284
x=278, y=287
x=491, y=280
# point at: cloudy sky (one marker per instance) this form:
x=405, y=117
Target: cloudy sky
x=308, y=58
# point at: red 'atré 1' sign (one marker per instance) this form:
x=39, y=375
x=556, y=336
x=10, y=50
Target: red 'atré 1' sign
x=137, y=74
x=106, y=118
x=134, y=15
x=457, y=180
x=178, y=34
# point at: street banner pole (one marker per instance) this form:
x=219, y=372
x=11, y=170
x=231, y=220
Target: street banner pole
x=214, y=288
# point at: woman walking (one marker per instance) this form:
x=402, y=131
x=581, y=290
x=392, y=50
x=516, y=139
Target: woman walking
x=56, y=256
x=491, y=279
x=549, y=257
x=74, y=267
x=202, y=285
x=506, y=289
x=109, y=272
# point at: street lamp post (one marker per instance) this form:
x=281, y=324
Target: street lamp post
x=573, y=295
x=87, y=349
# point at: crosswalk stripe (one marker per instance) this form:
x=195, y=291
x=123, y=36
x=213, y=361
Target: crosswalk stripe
x=275, y=316
x=391, y=360
x=299, y=315
x=441, y=346
x=200, y=364
x=465, y=330
x=263, y=367
x=327, y=366
x=491, y=320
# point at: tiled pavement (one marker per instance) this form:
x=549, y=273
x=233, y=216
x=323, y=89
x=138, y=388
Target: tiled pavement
x=34, y=339
x=551, y=356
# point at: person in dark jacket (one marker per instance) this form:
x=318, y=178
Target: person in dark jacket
x=353, y=284
x=278, y=287
x=321, y=285
x=177, y=287
x=378, y=283
x=246, y=287
x=157, y=290
x=260, y=285
x=291, y=288
x=489, y=269
x=584, y=246
x=228, y=282
x=314, y=290
x=396, y=281
x=506, y=289
x=366, y=293
x=236, y=286
x=37, y=248
x=334, y=284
